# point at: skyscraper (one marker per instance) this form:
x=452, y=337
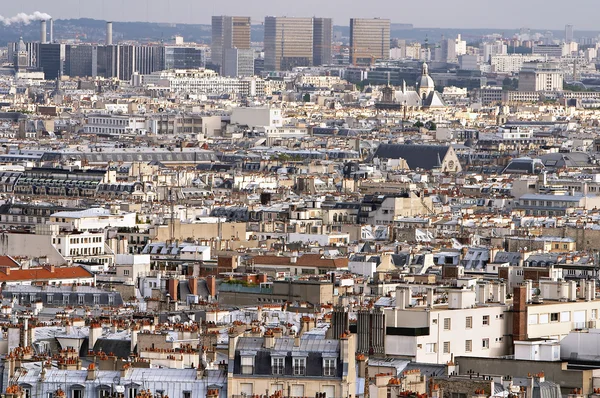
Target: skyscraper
x=229, y=32
x=322, y=40
x=369, y=40
x=568, y=33
x=293, y=42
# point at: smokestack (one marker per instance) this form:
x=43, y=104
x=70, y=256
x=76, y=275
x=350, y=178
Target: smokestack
x=43, y=32
x=51, y=39
x=109, y=41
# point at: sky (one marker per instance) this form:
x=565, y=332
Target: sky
x=513, y=14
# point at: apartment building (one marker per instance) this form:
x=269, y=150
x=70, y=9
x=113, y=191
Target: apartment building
x=293, y=366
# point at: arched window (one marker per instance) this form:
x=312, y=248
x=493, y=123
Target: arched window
x=335, y=217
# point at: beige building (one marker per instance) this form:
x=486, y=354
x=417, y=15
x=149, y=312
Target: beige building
x=288, y=43
x=369, y=40
x=295, y=366
x=227, y=33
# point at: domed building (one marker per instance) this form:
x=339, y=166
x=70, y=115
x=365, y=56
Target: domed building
x=423, y=96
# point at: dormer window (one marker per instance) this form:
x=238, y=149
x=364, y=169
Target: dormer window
x=329, y=366
x=247, y=365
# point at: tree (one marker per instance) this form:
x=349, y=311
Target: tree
x=418, y=124
x=306, y=97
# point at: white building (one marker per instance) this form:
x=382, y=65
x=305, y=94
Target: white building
x=93, y=219
x=110, y=124
x=203, y=81
x=511, y=63
x=537, y=76
x=257, y=117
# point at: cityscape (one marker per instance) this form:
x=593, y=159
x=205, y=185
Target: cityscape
x=298, y=206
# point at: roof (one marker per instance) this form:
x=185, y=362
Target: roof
x=426, y=157
x=307, y=260
x=46, y=273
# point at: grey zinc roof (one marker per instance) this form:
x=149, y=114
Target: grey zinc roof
x=286, y=344
x=426, y=157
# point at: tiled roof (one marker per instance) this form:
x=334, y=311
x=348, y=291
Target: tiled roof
x=45, y=273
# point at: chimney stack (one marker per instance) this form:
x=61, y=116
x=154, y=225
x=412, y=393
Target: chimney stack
x=51, y=23
x=43, y=32
x=109, y=38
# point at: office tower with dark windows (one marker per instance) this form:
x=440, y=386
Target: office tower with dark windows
x=322, y=41
x=184, y=57
x=81, y=60
x=369, y=40
x=229, y=32
x=50, y=60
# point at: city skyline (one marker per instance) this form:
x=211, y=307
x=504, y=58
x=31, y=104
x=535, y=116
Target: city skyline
x=466, y=14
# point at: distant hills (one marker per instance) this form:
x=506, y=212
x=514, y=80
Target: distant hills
x=93, y=30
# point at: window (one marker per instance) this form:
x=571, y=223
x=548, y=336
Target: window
x=247, y=365
x=49, y=298
x=469, y=345
x=554, y=317
x=447, y=323
x=533, y=319
x=299, y=366
x=565, y=316
x=277, y=365
x=430, y=348
x=77, y=394
x=543, y=318
x=80, y=299
x=96, y=299
x=486, y=320
x=126, y=272
x=594, y=314
x=188, y=394
x=111, y=299
x=328, y=367
x=469, y=322
x=65, y=299
x=485, y=344
x=446, y=347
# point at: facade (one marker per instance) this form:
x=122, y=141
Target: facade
x=184, y=57
x=369, y=40
x=229, y=32
x=81, y=60
x=50, y=60
x=322, y=41
x=540, y=77
x=288, y=43
x=238, y=62
x=296, y=367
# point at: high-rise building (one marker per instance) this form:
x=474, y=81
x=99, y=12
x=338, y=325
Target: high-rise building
x=237, y=63
x=50, y=60
x=369, y=40
x=80, y=60
x=568, y=33
x=293, y=42
x=229, y=32
x=322, y=39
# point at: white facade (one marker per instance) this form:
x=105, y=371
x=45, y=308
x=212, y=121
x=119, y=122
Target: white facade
x=115, y=124
x=202, y=81
x=257, y=117
x=511, y=63
x=92, y=219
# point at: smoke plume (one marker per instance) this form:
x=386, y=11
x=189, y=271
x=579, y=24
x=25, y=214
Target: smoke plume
x=24, y=18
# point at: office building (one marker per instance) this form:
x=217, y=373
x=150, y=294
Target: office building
x=229, y=32
x=289, y=42
x=237, y=62
x=184, y=57
x=540, y=76
x=568, y=34
x=50, y=60
x=369, y=40
x=81, y=60
x=322, y=39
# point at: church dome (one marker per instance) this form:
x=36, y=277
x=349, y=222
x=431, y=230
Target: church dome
x=425, y=81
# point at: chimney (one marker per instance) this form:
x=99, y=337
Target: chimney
x=109, y=35
x=91, y=372
x=193, y=285
x=95, y=333
x=520, y=313
x=43, y=32
x=211, y=284
x=269, y=339
x=402, y=297
x=51, y=27
x=430, y=297
x=297, y=340
x=173, y=284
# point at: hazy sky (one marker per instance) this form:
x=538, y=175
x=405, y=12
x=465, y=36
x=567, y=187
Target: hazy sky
x=549, y=14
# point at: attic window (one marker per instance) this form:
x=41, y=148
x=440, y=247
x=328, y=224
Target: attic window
x=247, y=365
